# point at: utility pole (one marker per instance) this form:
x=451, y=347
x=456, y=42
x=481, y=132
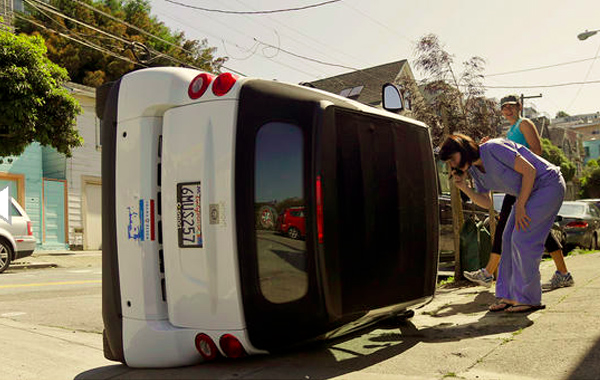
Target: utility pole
x=523, y=97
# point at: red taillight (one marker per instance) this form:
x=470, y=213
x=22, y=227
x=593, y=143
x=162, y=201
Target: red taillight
x=199, y=84
x=206, y=347
x=231, y=346
x=223, y=84
x=319, y=210
x=29, y=228
x=577, y=224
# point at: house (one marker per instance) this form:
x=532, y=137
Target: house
x=365, y=85
x=61, y=195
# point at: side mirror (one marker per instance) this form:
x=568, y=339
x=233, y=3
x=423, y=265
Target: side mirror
x=391, y=98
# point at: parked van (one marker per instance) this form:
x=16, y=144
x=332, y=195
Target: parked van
x=195, y=169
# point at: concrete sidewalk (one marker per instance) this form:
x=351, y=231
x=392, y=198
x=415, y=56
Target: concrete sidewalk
x=454, y=336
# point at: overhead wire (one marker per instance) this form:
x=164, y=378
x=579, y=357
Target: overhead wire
x=148, y=34
x=254, y=12
x=587, y=75
x=88, y=44
x=541, y=67
x=128, y=43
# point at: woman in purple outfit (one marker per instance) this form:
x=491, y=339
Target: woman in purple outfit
x=504, y=166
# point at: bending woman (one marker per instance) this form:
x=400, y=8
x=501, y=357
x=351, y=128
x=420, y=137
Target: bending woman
x=503, y=166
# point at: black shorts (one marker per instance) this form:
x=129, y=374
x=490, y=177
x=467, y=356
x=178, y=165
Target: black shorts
x=550, y=245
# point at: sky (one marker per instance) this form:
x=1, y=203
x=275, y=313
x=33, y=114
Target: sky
x=516, y=39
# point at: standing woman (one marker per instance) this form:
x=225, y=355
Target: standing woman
x=524, y=132
x=504, y=166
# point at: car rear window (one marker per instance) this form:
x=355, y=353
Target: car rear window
x=571, y=209
x=14, y=211
x=279, y=179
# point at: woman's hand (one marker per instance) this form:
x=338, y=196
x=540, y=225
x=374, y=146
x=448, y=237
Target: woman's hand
x=521, y=218
x=459, y=179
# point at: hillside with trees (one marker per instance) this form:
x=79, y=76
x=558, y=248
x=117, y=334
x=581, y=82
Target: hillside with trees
x=99, y=41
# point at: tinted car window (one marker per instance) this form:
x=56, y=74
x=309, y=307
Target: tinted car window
x=279, y=179
x=14, y=211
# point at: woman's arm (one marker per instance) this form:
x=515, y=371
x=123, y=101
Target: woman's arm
x=527, y=171
x=532, y=136
x=482, y=199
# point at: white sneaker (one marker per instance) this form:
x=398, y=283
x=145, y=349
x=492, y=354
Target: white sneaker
x=479, y=277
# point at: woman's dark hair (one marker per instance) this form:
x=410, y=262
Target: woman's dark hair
x=457, y=142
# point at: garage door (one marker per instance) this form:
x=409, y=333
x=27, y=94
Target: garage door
x=93, y=216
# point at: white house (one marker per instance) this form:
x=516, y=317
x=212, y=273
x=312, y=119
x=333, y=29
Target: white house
x=83, y=174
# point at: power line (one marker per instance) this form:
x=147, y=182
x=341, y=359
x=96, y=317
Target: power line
x=128, y=43
x=543, y=86
x=585, y=79
x=541, y=67
x=254, y=12
x=305, y=57
x=87, y=44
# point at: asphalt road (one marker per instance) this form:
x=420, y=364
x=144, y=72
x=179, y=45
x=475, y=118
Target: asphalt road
x=68, y=298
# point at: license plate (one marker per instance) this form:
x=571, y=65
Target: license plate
x=189, y=215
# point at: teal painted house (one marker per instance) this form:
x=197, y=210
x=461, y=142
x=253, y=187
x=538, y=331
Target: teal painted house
x=592, y=150
x=37, y=181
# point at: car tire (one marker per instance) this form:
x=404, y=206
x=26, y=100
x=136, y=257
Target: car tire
x=293, y=233
x=5, y=255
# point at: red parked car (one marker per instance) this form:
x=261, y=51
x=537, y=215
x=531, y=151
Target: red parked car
x=292, y=223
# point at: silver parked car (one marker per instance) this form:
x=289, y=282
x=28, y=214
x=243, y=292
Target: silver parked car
x=16, y=239
x=581, y=222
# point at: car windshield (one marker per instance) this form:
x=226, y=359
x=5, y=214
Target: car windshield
x=572, y=209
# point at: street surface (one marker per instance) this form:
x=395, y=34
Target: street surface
x=50, y=321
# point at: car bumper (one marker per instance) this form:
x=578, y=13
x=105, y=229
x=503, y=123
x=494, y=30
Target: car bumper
x=577, y=238
x=25, y=246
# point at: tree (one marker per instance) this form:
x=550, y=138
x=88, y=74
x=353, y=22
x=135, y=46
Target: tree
x=451, y=101
x=556, y=156
x=99, y=41
x=562, y=114
x=33, y=102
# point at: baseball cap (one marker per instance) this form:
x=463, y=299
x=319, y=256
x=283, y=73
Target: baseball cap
x=509, y=99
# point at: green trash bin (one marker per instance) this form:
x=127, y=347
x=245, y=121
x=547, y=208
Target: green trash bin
x=475, y=245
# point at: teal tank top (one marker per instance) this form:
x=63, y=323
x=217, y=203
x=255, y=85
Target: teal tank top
x=515, y=134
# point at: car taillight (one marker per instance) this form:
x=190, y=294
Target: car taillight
x=206, y=347
x=223, y=84
x=198, y=85
x=577, y=224
x=29, y=228
x=319, y=210
x=231, y=346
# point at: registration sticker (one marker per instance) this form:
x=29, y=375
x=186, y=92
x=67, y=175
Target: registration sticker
x=189, y=215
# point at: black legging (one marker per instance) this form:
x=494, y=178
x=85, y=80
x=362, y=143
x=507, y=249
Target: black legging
x=551, y=243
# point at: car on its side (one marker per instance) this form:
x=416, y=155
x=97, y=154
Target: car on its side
x=292, y=222
x=16, y=238
x=581, y=222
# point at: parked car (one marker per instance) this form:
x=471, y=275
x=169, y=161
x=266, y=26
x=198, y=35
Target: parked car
x=594, y=201
x=16, y=238
x=581, y=222
x=292, y=223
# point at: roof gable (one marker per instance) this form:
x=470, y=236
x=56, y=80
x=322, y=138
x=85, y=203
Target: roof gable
x=372, y=79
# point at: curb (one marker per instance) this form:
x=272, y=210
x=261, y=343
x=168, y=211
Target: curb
x=32, y=265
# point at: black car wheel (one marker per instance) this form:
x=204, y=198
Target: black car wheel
x=5, y=255
x=293, y=233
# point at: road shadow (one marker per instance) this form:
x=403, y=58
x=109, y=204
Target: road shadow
x=327, y=359
x=589, y=367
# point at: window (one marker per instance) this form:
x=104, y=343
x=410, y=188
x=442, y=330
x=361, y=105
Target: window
x=279, y=178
